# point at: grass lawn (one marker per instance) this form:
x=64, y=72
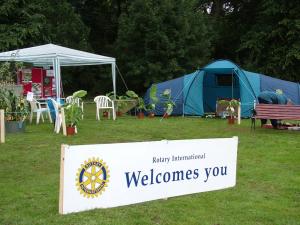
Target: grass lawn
x=268, y=175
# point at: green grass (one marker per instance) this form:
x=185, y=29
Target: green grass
x=268, y=175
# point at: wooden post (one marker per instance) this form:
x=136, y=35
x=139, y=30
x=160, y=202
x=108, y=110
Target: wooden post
x=63, y=122
x=239, y=114
x=2, y=126
x=61, y=180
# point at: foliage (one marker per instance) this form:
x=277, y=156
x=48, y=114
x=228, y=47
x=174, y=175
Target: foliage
x=272, y=43
x=167, y=101
x=153, y=98
x=8, y=71
x=27, y=23
x=73, y=112
x=230, y=105
x=140, y=100
x=159, y=40
x=16, y=107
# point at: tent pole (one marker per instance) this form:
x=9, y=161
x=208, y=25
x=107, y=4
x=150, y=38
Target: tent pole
x=59, y=80
x=232, y=84
x=113, y=71
x=56, y=68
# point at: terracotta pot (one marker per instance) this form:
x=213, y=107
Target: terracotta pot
x=166, y=115
x=105, y=114
x=151, y=115
x=140, y=115
x=70, y=131
x=230, y=120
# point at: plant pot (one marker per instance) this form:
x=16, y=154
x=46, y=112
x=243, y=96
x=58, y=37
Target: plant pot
x=166, y=115
x=105, y=114
x=70, y=131
x=230, y=120
x=140, y=115
x=119, y=113
x=151, y=115
x=14, y=126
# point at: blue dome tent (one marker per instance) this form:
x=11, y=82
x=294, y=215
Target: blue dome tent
x=198, y=92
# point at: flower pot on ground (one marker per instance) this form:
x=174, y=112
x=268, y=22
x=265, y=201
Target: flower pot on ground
x=105, y=114
x=15, y=126
x=151, y=115
x=230, y=120
x=70, y=131
x=140, y=115
x=166, y=115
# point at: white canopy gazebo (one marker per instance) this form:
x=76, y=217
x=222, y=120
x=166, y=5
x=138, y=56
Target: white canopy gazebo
x=57, y=56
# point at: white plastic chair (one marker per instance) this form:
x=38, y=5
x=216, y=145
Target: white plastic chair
x=36, y=107
x=77, y=101
x=104, y=103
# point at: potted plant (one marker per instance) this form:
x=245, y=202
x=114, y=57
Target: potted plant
x=153, y=101
x=16, y=110
x=230, y=108
x=73, y=113
x=140, y=103
x=168, y=103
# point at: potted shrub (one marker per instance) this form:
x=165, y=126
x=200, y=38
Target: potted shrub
x=16, y=110
x=168, y=103
x=73, y=113
x=153, y=101
x=230, y=108
x=140, y=103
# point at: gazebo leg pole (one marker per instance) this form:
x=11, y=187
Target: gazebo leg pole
x=2, y=127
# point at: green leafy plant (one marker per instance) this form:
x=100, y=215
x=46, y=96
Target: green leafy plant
x=230, y=105
x=168, y=102
x=16, y=107
x=153, y=99
x=73, y=113
x=140, y=101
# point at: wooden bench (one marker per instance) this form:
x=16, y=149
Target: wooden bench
x=276, y=112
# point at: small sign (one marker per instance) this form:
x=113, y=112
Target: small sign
x=29, y=96
x=110, y=175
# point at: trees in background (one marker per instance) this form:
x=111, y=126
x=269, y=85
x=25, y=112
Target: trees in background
x=272, y=44
x=25, y=23
x=159, y=40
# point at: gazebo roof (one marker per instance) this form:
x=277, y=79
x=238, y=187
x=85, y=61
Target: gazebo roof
x=44, y=55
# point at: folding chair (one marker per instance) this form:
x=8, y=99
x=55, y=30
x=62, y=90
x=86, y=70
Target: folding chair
x=36, y=107
x=104, y=103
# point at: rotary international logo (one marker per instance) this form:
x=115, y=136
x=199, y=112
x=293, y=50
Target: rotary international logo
x=92, y=178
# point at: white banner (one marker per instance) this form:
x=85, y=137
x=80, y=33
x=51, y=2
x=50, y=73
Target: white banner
x=110, y=175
